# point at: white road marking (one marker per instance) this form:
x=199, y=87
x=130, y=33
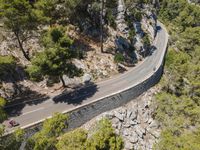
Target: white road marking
x=117, y=92
x=32, y=111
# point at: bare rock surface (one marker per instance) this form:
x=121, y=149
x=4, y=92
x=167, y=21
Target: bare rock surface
x=99, y=66
x=134, y=122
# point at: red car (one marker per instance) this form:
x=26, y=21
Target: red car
x=13, y=123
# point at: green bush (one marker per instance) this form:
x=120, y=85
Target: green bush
x=132, y=34
x=100, y=137
x=111, y=19
x=146, y=40
x=187, y=141
x=46, y=138
x=119, y=58
x=73, y=140
x=104, y=138
x=178, y=105
x=56, y=34
x=3, y=115
x=137, y=14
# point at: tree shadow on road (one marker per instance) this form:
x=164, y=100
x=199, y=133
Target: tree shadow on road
x=26, y=97
x=76, y=97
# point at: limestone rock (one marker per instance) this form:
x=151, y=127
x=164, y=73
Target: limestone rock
x=119, y=116
x=115, y=122
x=133, y=122
x=86, y=78
x=150, y=121
x=79, y=64
x=133, y=115
x=66, y=79
x=9, y=89
x=133, y=138
x=128, y=146
x=153, y=124
x=109, y=115
x=129, y=112
x=140, y=131
x=126, y=132
x=127, y=125
x=119, y=126
x=154, y=133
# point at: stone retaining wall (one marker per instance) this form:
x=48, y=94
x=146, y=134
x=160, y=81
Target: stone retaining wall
x=85, y=113
x=81, y=115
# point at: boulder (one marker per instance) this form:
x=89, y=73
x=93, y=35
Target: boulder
x=2, y=93
x=138, y=43
x=153, y=124
x=146, y=116
x=79, y=64
x=127, y=124
x=119, y=116
x=126, y=132
x=128, y=115
x=109, y=115
x=140, y=131
x=133, y=122
x=146, y=104
x=128, y=146
x=9, y=90
x=105, y=73
x=66, y=80
x=115, y=122
x=133, y=115
x=123, y=111
x=119, y=126
x=136, y=146
x=133, y=138
x=150, y=121
x=86, y=78
x=155, y=133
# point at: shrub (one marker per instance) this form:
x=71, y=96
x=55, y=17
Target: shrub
x=119, y=58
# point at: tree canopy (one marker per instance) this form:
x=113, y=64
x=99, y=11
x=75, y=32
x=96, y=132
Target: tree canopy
x=22, y=19
x=56, y=59
x=101, y=137
x=51, y=129
x=178, y=105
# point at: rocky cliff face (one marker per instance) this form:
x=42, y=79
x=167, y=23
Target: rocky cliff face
x=120, y=20
x=134, y=30
x=96, y=64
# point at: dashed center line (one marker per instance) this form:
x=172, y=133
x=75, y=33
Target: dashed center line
x=32, y=111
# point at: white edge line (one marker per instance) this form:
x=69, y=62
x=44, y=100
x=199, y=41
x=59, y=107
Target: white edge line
x=147, y=77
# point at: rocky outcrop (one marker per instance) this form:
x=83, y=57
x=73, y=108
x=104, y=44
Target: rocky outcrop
x=138, y=129
x=149, y=21
x=134, y=122
x=120, y=20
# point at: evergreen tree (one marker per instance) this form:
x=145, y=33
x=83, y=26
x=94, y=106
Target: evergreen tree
x=56, y=59
x=22, y=19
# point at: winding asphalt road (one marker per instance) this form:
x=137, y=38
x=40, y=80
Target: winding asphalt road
x=32, y=114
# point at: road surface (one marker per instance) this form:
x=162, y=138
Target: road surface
x=31, y=114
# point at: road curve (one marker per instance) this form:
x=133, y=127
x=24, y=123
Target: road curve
x=32, y=114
